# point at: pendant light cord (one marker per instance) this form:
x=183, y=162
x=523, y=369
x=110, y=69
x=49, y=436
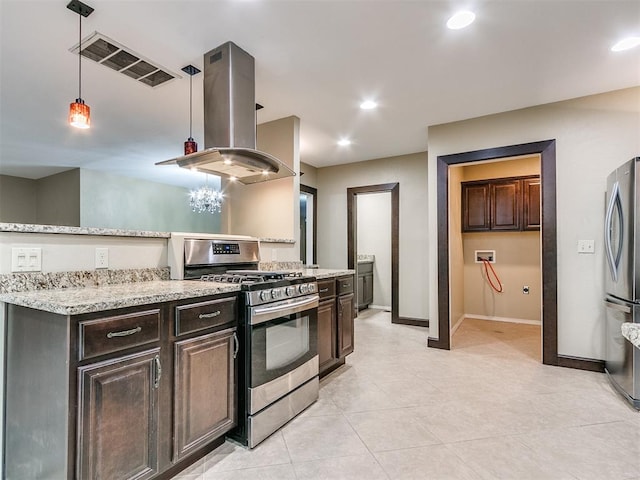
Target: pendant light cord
x=190, y=104
x=80, y=57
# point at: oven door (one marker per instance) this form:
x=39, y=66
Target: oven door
x=284, y=348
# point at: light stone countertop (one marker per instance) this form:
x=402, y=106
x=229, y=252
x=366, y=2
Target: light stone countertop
x=631, y=331
x=75, y=301
x=61, y=229
x=324, y=273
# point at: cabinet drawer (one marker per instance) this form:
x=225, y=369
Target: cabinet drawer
x=111, y=334
x=327, y=288
x=200, y=316
x=344, y=285
x=365, y=267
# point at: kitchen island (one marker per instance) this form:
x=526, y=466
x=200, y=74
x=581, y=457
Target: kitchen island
x=90, y=367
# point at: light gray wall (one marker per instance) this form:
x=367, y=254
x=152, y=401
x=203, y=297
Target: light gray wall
x=58, y=199
x=410, y=171
x=17, y=199
x=593, y=136
x=374, y=238
x=114, y=201
x=308, y=175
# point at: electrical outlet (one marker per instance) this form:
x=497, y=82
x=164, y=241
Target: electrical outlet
x=525, y=289
x=26, y=259
x=102, y=258
x=586, y=246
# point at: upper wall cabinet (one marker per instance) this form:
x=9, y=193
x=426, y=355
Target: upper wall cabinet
x=505, y=204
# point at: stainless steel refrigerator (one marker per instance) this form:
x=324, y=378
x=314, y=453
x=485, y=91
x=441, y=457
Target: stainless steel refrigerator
x=622, y=277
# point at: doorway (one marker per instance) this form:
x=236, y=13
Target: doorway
x=352, y=234
x=546, y=150
x=308, y=225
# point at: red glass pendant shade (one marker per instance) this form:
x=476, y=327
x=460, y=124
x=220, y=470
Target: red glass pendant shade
x=79, y=114
x=190, y=146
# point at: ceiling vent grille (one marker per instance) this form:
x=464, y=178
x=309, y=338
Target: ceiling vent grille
x=108, y=52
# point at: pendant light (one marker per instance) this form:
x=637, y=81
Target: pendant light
x=79, y=112
x=190, y=146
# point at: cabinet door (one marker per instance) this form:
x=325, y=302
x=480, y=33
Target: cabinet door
x=531, y=203
x=475, y=207
x=345, y=324
x=368, y=289
x=327, y=353
x=118, y=418
x=205, y=390
x=361, y=301
x=505, y=205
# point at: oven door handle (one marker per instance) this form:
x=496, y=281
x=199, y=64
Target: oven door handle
x=285, y=307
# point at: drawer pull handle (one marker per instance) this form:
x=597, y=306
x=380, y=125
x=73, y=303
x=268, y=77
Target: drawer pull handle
x=158, y=375
x=209, y=315
x=124, y=333
x=324, y=290
x=346, y=285
x=236, y=345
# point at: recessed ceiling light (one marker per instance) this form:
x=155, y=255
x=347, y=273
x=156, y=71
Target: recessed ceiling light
x=344, y=142
x=368, y=105
x=626, y=44
x=461, y=19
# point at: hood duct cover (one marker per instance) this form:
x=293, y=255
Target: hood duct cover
x=230, y=122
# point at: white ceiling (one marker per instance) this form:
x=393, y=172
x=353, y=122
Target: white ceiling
x=316, y=59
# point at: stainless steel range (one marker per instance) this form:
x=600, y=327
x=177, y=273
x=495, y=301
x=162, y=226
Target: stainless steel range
x=278, y=369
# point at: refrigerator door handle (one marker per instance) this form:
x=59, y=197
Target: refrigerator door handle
x=613, y=259
x=615, y=306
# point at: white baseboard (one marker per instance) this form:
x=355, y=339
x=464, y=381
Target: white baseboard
x=499, y=319
x=386, y=308
x=457, y=325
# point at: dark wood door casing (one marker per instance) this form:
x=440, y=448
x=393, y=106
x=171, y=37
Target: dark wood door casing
x=352, y=232
x=547, y=151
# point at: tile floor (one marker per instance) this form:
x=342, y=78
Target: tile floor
x=486, y=409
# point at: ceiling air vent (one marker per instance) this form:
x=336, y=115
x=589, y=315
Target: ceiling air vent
x=107, y=52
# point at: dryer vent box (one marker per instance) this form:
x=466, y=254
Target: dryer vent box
x=489, y=255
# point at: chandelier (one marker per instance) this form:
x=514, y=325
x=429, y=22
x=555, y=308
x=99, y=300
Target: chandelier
x=205, y=200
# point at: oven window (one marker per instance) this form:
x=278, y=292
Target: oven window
x=279, y=346
x=286, y=342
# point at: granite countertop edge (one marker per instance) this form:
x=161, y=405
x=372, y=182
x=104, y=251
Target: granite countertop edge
x=631, y=331
x=76, y=301
x=67, y=230
x=324, y=273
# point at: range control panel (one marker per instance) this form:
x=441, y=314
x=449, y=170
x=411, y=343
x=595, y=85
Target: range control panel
x=225, y=248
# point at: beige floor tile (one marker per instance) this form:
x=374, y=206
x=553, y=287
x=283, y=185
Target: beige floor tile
x=505, y=458
x=592, y=452
x=359, y=467
x=230, y=456
x=433, y=462
x=275, y=472
x=312, y=438
x=391, y=429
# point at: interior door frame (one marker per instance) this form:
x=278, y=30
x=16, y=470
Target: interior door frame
x=352, y=234
x=314, y=192
x=547, y=151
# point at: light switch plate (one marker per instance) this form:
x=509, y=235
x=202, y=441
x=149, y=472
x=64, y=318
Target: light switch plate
x=26, y=259
x=586, y=246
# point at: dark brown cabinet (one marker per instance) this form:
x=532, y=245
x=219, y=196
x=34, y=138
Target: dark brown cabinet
x=345, y=325
x=205, y=390
x=335, y=322
x=531, y=219
x=133, y=393
x=508, y=204
x=365, y=284
x=327, y=336
x=118, y=417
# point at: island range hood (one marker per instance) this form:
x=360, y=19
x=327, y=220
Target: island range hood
x=230, y=122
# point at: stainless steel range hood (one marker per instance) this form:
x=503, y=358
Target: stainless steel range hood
x=230, y=122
